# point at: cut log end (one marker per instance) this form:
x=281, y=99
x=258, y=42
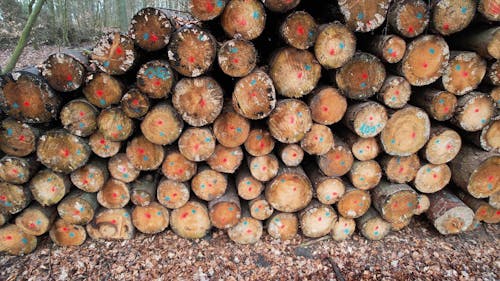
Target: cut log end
x=150, y=219
x=389, y=48
x=114, y=54
x=205, y=10
x=395, y=202
x=354, y=203
x=122, y=169
x=244, y=18
x=474, y=111
x=290, y=190
x=321, y=102
x=79, y=117
x=78, y=207
x=135, y=104
x=401, y=169
x=343, y=228
x=209, y=184
x=260, y=209
x=114, y=124
x=177, y=167
x=231, y=129
x=449, y=17
x=366, y=119
x=263, y=168
x=291, y=154
x=102, y=147
x=91, y=177
x=335, y=45
x=144, y=155
x=226, y=160
x=290, y=121
x=151, y=29
x=254, y=96
x=237, y=58
x=299, y=30
x=283, y=226
x=63, y=72
x=155, y=78
x=395, y=92
x=316, y=220
x=191, y=221
x=172, y=194
x=464, y=72
x=259, y=142
x=372, y=226
x=15, y=241
x=197, y=144
x=67, y=234
x=162, y=125
x=409, y=18
x=16, y=138
x=448, y=214
x=281, y=6
x=318, y=140
x=103, y=90
x=111, y=224
x=247, y=231
x=365, y=15
x=114, y=194
x=443, y=146
x=365, y=175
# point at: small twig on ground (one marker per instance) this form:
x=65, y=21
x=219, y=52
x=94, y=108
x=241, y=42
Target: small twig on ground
x=336, y=268
x=314, y=241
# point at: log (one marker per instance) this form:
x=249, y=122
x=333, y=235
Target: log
x=172, y=194
x=248, y=187
x=320, y=103
x=259, y=142
x=114, y=54
x=78, y=207
x=15, y=241
x=143, y=190
x=290, y=190
x=283, y=226
x=198, y=100
x=365, y=175
x=318, y=140
x=177, y=167
x=155, y=79
x=463, y=73
x=397, y=226
x=482, y=41
x=291, y=154
x=48, y=187
x=17, y=138
x=343, y=228
x=490, y=9
x=476, y=171
x=328, y=190
x=364, y=15
x=394, y=202
x=295, y=73
x=237, y=57
x=493, y=74
x=102, y=147
x=122, y=169
x=197, y=144
x=150, y=219
x=395, y=92
x=150, y=28
x=191, y=221
x=281, y=6
x=206, y=10
x=226, y=160
x=111, y=224
x=494, y=200
x=389, y=48
x=317, y=219
x=4, y=218
x=162, y=124
x=263, y=168
x=79, y=117
x=231, y=129
x=299, y=30
x=189, y=61
x=225, y=211
x=335, y=45
x=361, y=77
x=91, y=177
x=65, y=71
x=400, y=169
x=260, y=209
x=448, y=214
x=474, y=111
x=246, y=18
x=366, y=119
x=354, y=203
x=409, y=18
x=440, y=105
x=248, y=230
x=450, y=17
x=26, y=97
x=135, y=104
x=482, y=210
x=495, y=95
x=114, y=194
x=422, y=205
x=36, y=220
x=17, y=170
x=338, y=161
x=114, y=124
x=425, y=60
x=363, y=149
x=489, y=137
x=372, y=226
x=67, y=234
x=209, y=184
x=103, y=90
x=290, y=121
x=254, y=96
x=145, y=155
x=443, y=145
x=406, y=131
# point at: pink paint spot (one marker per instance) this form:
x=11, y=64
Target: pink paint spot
x=53, y=189
x=242, y=22
x=294, y=189
x=224, y=160
x=264, y=168
x=395, y=204
x=159, y=122
x=401, y=169
x=425, y=65
x=345, y=225
x=119, y=51
x=435, y=176
x=413, y=135
x=147, y=215
x=180, y=171
x=371, y=118
x=135, y=102
x=449, y=146
x=282, y=226
x=249, y=231
x=396, y=92
x=320, y=219
x=69, y=77
x=332, y=52
x=8, y=237
x=249, y=189
x=184, y=215
x=300, y=30
x=154, y=38
x=82, y=113
x=26, y=103
x=99, y=93
x=191, y=59
x=14, y=171
x=334, y=194
x=21, y=138
x=85, y=181
x=292, y=120
x=299, y=75
x=376, y=228
x=196, y=147
x=367, y=147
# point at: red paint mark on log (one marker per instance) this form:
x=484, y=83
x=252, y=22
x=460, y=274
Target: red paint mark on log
x=119, y=50
x=21, y=138
x=184, y=215
x=300, y=30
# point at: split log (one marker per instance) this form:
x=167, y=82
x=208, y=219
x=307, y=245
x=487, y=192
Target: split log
x=246, y=18
x=150, y=219
x=17, y=170
x=440, y=105
x=102, y=147
x=482, y=210
x=91, y=177
x=365, y=15
x=400, y=169
x=172, y=194
x=448, y=214
x=485, y=42
x=114, y=194
x=372, y=226
x=143, y=190
x=260, y=209
x=17, y=138
x=365, y=175
x=394, y=202
x=79, y=117
x=145, y=155
x=65, y=72
x=206, y=10
x=259, y=142
x=366, y=119
x=450, y=17
x=209, y=184
x=299, y=30
x=395, y=92
x=291, y=154
x=281, y=6
x=254, y=96
x=231, y=129
x=490, y=9
x=78, y=207
x=48, y=187
x=122, y=169
x=198, y=100
x=114, y=54
x=67, y=234
x=408, y=18
x=363, y=149
x=290, y=121
x=162, y=124
x=474, y=111
x=317, y=219
x=263, y=168
x=425, y=60
x=354, y=203
x=197, y=144
x=320, y=103
x=15, y=241
x=464, y=72
x=443, y=145
x=295, y=73
x=191, y=221
x=318, y=140
x=226, y=160
x=225, y=211
x=476, y=171
x=36, y=220
x=111, y=224
x=343, y=228
x=103, y=90
x=26, y=97
x=135, y=104
x=177, y=167
x=189, y=61
x=361, y=77
x=290, y=190
x=389, y=48
x=338, y=161
x=248, y=230
x=151, y=29
x=328, y=190
x=489, y=137
x=237, y=57
x=155, y=79
x=335, y=45
x=283, y=226
x=422, y=205
x=114, y=124
x=248, y=187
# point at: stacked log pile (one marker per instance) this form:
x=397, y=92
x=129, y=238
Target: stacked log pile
x=246, y=116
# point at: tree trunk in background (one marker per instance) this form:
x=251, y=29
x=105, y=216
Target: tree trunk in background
x=122, y=14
